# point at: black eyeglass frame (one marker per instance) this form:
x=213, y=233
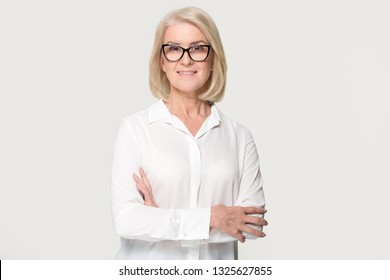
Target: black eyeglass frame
x=184, y=51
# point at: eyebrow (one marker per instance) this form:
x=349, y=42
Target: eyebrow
x=192, y=43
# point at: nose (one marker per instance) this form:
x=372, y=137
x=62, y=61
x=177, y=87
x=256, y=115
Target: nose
x=186, y=59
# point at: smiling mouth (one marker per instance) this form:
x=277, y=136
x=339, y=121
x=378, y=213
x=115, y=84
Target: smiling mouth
x=186, y=72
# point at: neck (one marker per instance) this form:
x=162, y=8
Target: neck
x=187, y=106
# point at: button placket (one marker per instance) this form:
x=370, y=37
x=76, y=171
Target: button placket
x=196, y=167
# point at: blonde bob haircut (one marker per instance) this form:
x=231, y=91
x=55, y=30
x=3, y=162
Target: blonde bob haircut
x=158, y=80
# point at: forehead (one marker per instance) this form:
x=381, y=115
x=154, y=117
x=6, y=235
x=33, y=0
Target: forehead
x=183, y=33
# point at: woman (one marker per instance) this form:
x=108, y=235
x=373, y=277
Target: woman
x=199, y=186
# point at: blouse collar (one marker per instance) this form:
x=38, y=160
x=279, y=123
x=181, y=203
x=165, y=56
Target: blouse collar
x=158, y=111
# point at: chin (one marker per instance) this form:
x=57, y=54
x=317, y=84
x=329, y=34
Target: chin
x=188, y=90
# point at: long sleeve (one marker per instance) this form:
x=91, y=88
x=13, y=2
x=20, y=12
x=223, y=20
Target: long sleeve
x=134, y=220
x=251, y=184
x=251, y=188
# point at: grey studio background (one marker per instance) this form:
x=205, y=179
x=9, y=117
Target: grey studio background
x=310, y=79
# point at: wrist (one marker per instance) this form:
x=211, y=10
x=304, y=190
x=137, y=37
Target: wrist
x=215, y=216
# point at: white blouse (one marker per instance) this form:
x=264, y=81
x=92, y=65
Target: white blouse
x=188, y=175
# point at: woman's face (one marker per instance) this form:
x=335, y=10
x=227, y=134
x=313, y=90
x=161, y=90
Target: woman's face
x=186, y=76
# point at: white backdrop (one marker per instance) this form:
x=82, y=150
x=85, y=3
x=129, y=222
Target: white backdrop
x=310, y=79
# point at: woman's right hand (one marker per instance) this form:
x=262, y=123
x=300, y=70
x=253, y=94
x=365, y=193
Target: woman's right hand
x=144, y=188
x=234, y=220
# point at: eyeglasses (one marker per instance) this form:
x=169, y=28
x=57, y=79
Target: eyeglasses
x=175, y=53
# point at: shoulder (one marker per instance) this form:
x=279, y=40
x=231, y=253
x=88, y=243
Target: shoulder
x=135, y=119
x=133, y=126
x=239, y=132
x=233, y=125
x=142, y=118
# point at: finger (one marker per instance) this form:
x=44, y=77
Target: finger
x=139, y=183
x=255, y=220
x=140, y=189
x=142, y=173
x=144, y=178
x=144, y=191
x=136, y=178
x=140, y=186
x=239, y=236
x=254, y=210
x=252, y=231
x=141, y=192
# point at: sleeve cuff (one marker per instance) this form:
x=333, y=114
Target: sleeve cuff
x=194, y=224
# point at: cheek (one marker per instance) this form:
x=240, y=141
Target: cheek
x=208, y=72
x=209, y=68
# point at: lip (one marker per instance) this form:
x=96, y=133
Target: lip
x=186, y=72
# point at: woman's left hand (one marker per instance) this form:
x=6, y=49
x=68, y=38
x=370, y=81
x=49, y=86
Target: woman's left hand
x=144, y=188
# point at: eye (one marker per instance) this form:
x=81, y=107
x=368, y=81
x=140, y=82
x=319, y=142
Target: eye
x=198, y=48
x=174, y=48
